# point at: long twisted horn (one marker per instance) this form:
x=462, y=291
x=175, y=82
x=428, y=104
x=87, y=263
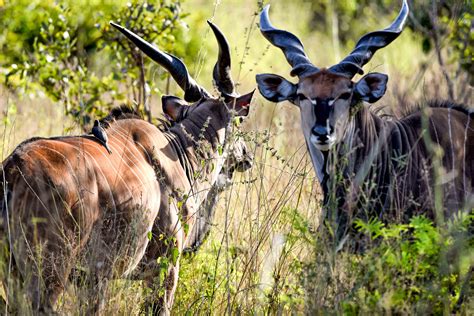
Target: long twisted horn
x=192, y=91
x=288, y=43
x=369, y=44
x=221, y=73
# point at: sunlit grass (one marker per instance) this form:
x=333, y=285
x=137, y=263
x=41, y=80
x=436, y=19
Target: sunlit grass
x=255, y=259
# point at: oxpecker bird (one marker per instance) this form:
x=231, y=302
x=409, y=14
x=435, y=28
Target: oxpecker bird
x=100, y=134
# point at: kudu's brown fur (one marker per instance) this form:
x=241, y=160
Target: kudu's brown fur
x=68, y=203
x=371, y=166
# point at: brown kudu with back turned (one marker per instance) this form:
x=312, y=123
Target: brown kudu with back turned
x=67, y=203
x=371, y=166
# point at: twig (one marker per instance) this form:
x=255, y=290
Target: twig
x=434, y=21
x=144, y=92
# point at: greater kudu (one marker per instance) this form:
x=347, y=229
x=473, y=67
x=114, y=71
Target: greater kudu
x=69, y=203
x=372, y=166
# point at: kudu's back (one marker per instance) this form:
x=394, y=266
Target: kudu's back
x=67, y=193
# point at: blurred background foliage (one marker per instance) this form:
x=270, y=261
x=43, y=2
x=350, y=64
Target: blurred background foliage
x=62, y=65
x=450, y=21
x=67, y=49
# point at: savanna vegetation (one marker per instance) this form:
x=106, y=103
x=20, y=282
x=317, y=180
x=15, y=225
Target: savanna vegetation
x=62, y=66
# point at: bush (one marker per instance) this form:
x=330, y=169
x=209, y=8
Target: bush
x=69, y=51
x=414, y=268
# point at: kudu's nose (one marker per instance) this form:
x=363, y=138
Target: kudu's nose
x=246, y=163
x=321, y=132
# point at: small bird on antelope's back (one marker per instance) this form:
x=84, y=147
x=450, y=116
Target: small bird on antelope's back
x=101, y=135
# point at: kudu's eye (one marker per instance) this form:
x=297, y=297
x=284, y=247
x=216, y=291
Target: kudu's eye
x=345, y=96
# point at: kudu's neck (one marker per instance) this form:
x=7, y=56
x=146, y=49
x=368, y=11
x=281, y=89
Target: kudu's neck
x=196, y=140
x=356, y=157
x=364, y=137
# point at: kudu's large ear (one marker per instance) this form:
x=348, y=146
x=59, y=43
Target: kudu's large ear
x=276, y=88
x=371, y=87
x=172, y=106
x=241, y=104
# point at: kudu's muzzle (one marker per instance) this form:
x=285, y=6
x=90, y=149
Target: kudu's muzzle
x=322, y=132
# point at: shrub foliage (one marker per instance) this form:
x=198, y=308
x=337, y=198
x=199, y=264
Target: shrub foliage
x=69, y=51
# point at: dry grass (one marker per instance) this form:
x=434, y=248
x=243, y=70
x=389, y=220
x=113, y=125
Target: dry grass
x=253, y=261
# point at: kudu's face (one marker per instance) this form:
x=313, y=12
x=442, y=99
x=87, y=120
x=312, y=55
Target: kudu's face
x=211, y=113
x=214, y=117
x=324, y=101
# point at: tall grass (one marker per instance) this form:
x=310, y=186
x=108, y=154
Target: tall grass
x=265, y=253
